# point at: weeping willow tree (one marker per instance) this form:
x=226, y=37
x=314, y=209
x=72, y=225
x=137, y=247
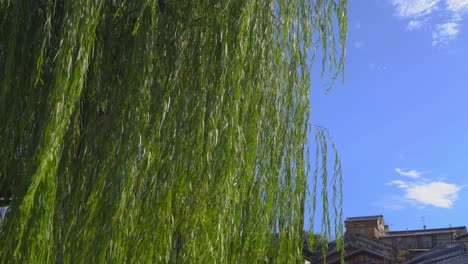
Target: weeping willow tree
x=160, y=131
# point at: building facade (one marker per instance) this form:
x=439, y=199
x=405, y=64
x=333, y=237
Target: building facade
x=369, y=240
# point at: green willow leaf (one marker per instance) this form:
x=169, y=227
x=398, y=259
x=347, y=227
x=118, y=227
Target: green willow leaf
x=163, y=131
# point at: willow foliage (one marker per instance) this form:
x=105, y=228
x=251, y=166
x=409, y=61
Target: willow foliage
x=159, y=131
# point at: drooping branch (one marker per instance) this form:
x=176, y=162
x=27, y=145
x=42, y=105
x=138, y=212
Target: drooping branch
x=159, y=131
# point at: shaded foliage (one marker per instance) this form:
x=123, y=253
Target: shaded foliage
x=159, y=131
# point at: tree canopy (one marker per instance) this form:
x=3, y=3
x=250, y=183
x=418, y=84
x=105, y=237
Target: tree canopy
x=161, y=131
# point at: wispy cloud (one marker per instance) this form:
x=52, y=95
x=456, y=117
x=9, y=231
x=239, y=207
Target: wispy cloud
x=427, y=193
x=443, y=18
x=415, y=24
x=443, y=33
x=457, y=5
x=409, y=173
x=415, y=8
x=398, y=183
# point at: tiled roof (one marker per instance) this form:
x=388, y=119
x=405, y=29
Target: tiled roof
x=462, y=236
x=450, y=253
x=448, y=229
x=355, y=243
x=462, y=259
x=369, y=217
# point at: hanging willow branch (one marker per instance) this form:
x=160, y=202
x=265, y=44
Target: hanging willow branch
x=159, y=131
x=322, y=149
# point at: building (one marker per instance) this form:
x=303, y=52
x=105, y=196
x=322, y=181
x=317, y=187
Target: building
x=358, y=249
x=369, y=240
x=408, y=243
x=448, y=253
x=370, y=226
x=418, y=241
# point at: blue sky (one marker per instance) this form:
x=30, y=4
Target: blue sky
x=400, y=117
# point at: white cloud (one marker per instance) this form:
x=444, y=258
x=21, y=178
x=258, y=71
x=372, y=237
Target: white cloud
x=421, y=194
x=443, y=33
x=415, y=24
x=399, y=184
x=415, y=8
x=409, y=173
x=457, y=5
x=444, y=20
x=438, y=194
